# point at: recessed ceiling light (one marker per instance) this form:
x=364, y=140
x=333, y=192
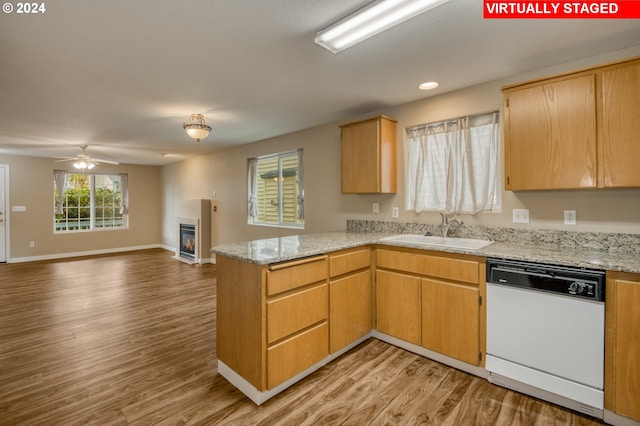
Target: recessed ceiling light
x=429, y=85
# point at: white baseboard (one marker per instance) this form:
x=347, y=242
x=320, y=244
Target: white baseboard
x=84, y=253
x=618, y=420
x=420, y=350
x=258, y=397
x=193, y=262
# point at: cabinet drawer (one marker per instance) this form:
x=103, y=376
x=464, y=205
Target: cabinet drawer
x=434, y=266
x=343, y=263
x=296, y=311
x=296, y=274
x=294, y=355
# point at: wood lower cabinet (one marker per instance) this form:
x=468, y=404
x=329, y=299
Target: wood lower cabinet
x=433, y=300
x=398, y=305
x=451, y=319
x=276, y=321
x=350, y=289
x=272, y=321
x=350, y=309
x=622, y=347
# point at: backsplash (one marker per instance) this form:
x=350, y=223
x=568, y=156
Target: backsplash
x=599, y=241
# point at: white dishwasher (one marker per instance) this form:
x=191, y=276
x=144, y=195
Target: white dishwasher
x=545, y=332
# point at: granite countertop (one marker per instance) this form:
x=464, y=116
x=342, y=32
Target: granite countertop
x=276, y=250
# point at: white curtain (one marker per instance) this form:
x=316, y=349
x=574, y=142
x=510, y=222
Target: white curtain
x=452, y=166
x=300, y=179
x=253, y=188
x=60, y=179
x=124, y=194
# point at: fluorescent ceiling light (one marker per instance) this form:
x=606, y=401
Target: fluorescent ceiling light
x=371, y=20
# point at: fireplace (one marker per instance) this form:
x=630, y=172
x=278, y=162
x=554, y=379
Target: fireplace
x=195, y=230
x=187, y=241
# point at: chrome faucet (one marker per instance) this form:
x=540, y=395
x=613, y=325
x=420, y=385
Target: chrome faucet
x=446, y=224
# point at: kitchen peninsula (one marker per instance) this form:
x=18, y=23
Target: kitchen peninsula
x=287, y=306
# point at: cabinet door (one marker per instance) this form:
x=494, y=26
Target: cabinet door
x=369, y=156
x=360, y=157
x=550, y=135
x=450, y=320
x=350, y=309
x=620, y=126
x=398, y=305
x=622, y=350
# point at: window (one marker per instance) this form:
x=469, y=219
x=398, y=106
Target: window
x=276, y=191
x=89, y=201
x=452, y=166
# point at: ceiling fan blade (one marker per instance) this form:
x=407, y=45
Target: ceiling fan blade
x=97, y=160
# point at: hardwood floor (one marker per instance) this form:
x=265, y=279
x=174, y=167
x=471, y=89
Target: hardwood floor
x=129, y=339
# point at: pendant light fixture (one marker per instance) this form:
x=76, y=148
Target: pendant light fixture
x=196, y=127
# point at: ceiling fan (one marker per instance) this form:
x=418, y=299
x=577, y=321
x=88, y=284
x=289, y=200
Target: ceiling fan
x=82, y=161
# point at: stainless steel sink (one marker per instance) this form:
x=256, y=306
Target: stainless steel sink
x=434, y=240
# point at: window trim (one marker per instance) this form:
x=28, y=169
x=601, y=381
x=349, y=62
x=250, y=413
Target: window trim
x=252, y=186
x=92, y=205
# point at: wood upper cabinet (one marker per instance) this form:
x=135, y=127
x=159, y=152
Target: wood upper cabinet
x=350, y=289
x=622, y=346
x=574, y=131
x=550, y=134
x=620, y=126
x=369, y=156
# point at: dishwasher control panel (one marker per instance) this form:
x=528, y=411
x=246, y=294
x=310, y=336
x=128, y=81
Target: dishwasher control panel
x=565, y=280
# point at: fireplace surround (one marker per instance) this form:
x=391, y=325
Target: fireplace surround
x=195, y=230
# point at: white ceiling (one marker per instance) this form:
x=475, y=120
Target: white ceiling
x=122, y=76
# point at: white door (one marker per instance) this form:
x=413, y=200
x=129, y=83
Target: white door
x=3, y=215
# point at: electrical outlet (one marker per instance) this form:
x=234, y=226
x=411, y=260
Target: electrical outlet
x=32, y=244
x=375, y=207
x=520, y=215
x=570, y=217
x=394, y=212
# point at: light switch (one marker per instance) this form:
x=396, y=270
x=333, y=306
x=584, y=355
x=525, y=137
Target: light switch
x=19, y=208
